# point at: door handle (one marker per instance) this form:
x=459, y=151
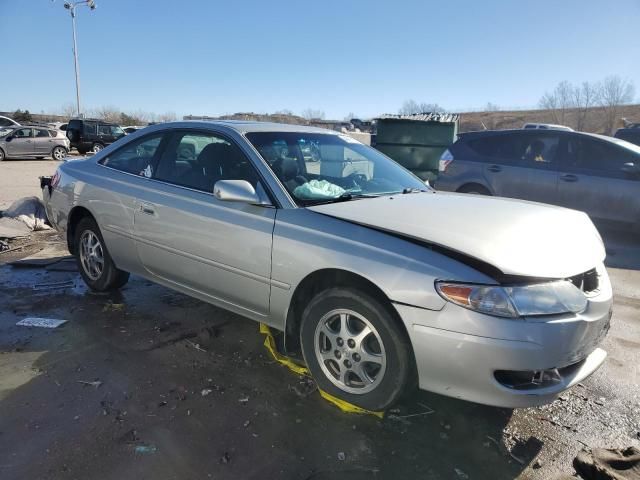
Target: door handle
x=567, y=177
x=495, y=168
x=147, y=209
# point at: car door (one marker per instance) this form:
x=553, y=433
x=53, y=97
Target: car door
x=596, y=179
x=43, y=142
x=187, y=237
x=522, y=164
x=125, y=179
x=21, y=143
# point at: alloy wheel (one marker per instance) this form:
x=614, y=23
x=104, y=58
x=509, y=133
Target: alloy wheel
x=91, y=255
x=350, y=351
x=59, y=153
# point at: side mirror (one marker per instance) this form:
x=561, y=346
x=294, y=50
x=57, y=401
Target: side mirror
x=8, y=139
x=630, y=169
x=236, y=191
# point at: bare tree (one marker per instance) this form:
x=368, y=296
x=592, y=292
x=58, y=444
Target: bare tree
x=585, y=97
x=107, y=113
x=559, y=101
x=167, y=117
x=312, y=114
x=410, y=107
x=68, y=110
x=614, y=93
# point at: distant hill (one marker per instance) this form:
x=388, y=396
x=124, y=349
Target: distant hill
x=500, y=120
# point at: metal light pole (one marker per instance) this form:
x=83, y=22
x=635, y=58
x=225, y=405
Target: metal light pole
x=72, y=10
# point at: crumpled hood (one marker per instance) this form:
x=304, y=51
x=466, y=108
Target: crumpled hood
x=514, y=236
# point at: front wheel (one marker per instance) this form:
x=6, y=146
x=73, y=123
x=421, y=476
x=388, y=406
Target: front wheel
x=58, y=153
x=97, y=147
x=2, y=155
x=355, y=348
x=94, y=262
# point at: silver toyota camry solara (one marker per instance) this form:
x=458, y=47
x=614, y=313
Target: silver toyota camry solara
x=378, y=280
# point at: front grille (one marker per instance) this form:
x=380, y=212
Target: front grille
x=588, y=281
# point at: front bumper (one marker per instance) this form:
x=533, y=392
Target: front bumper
x=458, y=351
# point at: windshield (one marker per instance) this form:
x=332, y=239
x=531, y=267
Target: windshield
x=319, y=167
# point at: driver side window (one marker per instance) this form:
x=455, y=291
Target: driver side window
x=138, y=157
x=23, y=133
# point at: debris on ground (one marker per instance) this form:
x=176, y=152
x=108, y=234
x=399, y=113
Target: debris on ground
x=226, y=458
x=146, y=449
x=341, y=456
x=112, y=307
x=41, y=322
x=505, y=451
x=608, y=464
x=12, y=228
x=54, y=285
x=205, y=392
x=94, y=384
x=52, y=254
x=460, y=474
x=30, y=211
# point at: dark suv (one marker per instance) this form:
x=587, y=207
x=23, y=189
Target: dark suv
x=593, y=173
x=92, y=135
x=629, y=134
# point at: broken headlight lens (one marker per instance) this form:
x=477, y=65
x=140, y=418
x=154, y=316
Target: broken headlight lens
x=516, y=301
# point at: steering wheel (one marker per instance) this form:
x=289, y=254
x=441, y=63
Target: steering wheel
x=357, y=179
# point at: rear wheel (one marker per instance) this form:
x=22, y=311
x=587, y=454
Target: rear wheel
x=2, y=155
x=475, y=189
x=94, y=262
x=58, y=153
x=355, y=348
x=97, y=147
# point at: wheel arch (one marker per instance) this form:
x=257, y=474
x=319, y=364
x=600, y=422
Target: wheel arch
x=474, y=186
x=76, y=214
x=323, y=279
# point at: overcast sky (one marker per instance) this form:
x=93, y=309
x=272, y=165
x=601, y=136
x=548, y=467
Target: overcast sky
x=366, y=57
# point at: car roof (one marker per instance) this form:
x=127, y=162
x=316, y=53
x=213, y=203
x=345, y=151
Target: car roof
x=243, y=126
x=522, y=131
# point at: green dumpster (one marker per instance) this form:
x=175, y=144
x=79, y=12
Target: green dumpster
x=417, y=141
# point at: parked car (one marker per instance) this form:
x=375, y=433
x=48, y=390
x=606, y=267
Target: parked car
x=8, y=122
x=596, y=174
x=131, y=129
x=23, y=142
x=546, y=126
x=92, y=135
x=379, y=280
x=631, y=135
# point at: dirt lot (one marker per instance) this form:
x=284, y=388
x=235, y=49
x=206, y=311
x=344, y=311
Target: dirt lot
x=149, y=383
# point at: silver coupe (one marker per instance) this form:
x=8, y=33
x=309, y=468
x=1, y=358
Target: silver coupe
x=378, y=280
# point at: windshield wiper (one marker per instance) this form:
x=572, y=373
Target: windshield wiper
x=412, y=190
x=345, y=197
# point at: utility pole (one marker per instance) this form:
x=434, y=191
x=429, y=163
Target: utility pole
x=72, y=10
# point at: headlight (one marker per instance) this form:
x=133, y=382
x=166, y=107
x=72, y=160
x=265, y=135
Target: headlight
x=516, y=301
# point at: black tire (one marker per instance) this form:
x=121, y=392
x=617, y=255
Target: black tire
x=399, y=362
x=475, y=189
x=109, y=277
x=2, y=155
